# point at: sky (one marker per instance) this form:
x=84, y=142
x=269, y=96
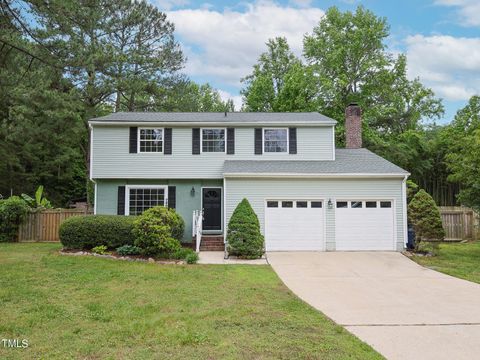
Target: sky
x=223, y=39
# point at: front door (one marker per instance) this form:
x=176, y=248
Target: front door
x=212, y=209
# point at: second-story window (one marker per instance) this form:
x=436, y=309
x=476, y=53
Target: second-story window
x=213, y=140
x=275, y=140
x=150, y=140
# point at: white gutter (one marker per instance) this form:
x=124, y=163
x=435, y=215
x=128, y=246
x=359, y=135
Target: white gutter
x=206, y=123
x=314, y=175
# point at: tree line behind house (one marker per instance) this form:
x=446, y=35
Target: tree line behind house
x=64, y=62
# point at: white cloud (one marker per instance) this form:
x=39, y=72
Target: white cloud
x=468, y=10
x=449, y=65
x=237, y=99
x=224, y=45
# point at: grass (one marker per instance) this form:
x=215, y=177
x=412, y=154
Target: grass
x=461, y=260
x=91, y=308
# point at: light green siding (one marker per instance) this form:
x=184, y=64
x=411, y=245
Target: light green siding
x=111, y=158
x=107, y=194
x=259, y=190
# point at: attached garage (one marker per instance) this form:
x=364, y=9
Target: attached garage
x=364, y=225
x=294, y=225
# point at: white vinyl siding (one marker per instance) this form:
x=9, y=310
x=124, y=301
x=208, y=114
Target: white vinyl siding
x=111, y=158
x=257, y=191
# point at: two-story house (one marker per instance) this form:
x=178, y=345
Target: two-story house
x=307, y=194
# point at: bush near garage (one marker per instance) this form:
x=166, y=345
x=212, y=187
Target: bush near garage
x=243, y=234
x=87, y=232
x=425, y=217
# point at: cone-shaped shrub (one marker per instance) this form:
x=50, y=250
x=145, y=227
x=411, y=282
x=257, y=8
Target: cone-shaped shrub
x=243, y=234
x=424, y=215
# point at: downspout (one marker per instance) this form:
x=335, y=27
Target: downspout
x=225, y=255
x=91, y=173
x=404, y=208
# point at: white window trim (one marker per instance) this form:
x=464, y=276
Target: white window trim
x=150, y=152
x=288, y=141
x=201, y=140
x=127, y=194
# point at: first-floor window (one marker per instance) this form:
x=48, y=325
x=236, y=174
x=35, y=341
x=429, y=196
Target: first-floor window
x=141, y=199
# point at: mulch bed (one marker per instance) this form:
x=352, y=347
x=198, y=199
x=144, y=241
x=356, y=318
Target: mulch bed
x=115, y=256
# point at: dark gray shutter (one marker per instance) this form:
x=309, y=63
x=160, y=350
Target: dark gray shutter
x=121, y=201
x=258, y=141
x=230, y=141
x=133, y=139
x=167, y=139
x=195, y=141
x=172, y=199
x=292, y=140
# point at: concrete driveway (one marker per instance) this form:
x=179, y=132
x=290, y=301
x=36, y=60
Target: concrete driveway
x=402, y=309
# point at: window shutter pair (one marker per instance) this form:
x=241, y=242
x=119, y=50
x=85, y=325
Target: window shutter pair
x=292, y=140
x=196, y=141
x=167, y=140
x=172, y=199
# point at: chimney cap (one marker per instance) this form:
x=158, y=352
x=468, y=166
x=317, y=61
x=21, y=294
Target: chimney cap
x=353, y=104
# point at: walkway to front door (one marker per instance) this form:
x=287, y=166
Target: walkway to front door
x=402, y=309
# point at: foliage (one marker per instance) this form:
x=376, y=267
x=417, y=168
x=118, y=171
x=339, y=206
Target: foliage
x=39, y=202
x=158, y=230
x=464, y=153
x=101, y=250
x=243, y=235
x=87, y=232
x=424, y=215
x=126, y=250
x=412, y=189
x=12, y=213
x=190, y=256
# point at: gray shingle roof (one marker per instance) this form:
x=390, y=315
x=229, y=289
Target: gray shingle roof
x=215, y=117
x=347, y=161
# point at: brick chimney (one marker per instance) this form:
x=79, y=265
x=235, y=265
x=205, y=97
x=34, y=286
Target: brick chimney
x=353, y=127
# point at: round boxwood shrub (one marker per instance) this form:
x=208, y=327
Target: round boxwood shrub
x=424, y=215
x=12, y=213
x=158, y=231
x=87, y=232
x=243, y=235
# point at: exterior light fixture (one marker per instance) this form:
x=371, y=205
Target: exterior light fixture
x=330, y=204
x=192, y=192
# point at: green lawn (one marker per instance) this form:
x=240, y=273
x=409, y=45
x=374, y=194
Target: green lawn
x=92, y=308
x=456, y=259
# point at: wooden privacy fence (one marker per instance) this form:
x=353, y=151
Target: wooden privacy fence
x=44, y=225
x=460, y=223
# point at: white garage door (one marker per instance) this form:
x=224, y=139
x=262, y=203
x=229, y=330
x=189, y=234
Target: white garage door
x=364, y=225
x=294, y=225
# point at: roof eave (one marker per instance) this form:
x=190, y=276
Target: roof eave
x=210, y=123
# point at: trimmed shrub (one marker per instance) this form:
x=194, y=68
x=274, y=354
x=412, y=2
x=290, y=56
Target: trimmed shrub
x=101, y=250
x=424, y=215
x=86, y=232
x=12, y=213
x=190, y=256
x=243, y=235
x=126, y=250
x=158, y=230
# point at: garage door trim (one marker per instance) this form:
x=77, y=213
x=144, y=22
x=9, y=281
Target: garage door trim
x=301, y=198
x=373, y=198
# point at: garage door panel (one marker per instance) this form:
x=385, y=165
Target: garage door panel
x=294, y=228
x=364, y=228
